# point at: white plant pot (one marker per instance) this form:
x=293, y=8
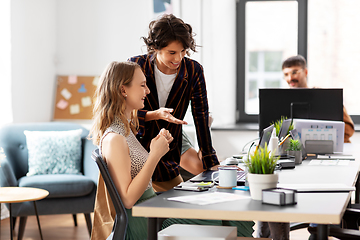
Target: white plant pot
x=258, y=182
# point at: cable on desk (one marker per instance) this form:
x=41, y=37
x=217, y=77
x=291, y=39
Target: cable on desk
x=252, y=143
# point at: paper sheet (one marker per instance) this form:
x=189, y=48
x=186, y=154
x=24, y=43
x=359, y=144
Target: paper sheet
x=317, y=187
x=317, y=162
x=86, y=101
x=62, y=104
x=335, y=157
x=209, y=198
x=74, y=109
x=95, y=81
x=72, y=79
x=66, y=94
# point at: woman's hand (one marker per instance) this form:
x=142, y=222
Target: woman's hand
x=167, y=135
x=216, y=167
x=159, y=146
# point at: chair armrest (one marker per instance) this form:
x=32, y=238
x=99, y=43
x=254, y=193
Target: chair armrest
x=7, y=176
x=351, y=217
x=90, y=168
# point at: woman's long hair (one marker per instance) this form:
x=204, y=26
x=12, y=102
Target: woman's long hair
x=109, y=103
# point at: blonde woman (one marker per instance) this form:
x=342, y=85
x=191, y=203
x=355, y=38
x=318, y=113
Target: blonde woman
x=120, y=93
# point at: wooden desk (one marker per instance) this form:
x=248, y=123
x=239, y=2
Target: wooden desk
x=321, y=208
x=22, y=194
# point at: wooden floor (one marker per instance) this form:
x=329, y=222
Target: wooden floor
x=54, y=227
x=60, y=227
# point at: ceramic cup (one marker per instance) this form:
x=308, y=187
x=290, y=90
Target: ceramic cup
x=227, y=177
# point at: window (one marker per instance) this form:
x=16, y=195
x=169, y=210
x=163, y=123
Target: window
x=264, y=71
x=322, y=31
x=334, y=49
x=267, y=33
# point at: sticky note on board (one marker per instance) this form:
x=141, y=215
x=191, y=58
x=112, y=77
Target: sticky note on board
x=72, y=79
x=95, y=81
x=62, y=104
x=66, y=94
x=86, y=101
x=74, y=109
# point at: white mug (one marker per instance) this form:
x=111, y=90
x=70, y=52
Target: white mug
x=227, y=176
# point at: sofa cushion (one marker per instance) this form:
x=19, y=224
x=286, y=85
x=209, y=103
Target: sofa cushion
x=60, y=185
x=54, y=152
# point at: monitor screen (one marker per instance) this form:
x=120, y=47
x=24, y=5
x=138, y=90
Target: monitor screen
x=306, y=103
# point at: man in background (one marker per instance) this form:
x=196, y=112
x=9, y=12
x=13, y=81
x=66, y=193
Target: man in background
x=295, y=73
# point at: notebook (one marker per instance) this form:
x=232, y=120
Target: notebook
x=265, y=136
x=284, y=128
x=206, y=177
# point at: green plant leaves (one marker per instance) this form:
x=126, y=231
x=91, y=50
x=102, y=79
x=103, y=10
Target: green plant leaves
x=295, y=145
x=261, y=161
x=278, y=123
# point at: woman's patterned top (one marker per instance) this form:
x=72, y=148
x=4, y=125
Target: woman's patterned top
x=138, y=153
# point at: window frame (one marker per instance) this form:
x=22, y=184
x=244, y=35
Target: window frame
x=241, y=115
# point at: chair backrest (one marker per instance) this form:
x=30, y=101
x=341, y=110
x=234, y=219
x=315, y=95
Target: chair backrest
x=121, y=220
x=13, y=141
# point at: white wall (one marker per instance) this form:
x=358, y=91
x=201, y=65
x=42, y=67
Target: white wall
x=51, y=37
x=5, y=63
x=91, y=34
x=33, y=38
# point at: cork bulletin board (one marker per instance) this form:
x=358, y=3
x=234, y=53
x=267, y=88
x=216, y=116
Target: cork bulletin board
x=74, y=96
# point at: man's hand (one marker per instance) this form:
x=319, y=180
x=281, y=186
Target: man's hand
x=216, y=167
x=163, y=114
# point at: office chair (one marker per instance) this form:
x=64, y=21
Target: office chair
x=121, y=219
x=350, y=225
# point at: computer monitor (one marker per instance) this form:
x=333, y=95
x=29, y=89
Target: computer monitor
x=305, y=103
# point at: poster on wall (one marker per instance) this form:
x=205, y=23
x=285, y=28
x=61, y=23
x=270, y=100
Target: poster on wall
x=162, y=7
x=74, y=96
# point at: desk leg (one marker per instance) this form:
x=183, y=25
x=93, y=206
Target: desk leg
x=357, y=190
x=11, y=223
x=38, y=221
x=152, y=228
x=322, y=231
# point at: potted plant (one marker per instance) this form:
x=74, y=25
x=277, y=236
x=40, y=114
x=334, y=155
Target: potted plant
x=294, y=149
x=261, y=166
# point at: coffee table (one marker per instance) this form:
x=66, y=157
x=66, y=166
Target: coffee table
x=22, y=194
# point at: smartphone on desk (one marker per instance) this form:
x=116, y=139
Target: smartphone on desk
x=193, y=189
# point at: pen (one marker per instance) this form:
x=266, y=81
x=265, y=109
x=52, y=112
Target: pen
x=282, y=141
x=243, y=188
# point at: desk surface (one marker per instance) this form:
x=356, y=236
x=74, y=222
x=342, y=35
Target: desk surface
x=326, y=208
x=21, y=194
x=322, y=208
